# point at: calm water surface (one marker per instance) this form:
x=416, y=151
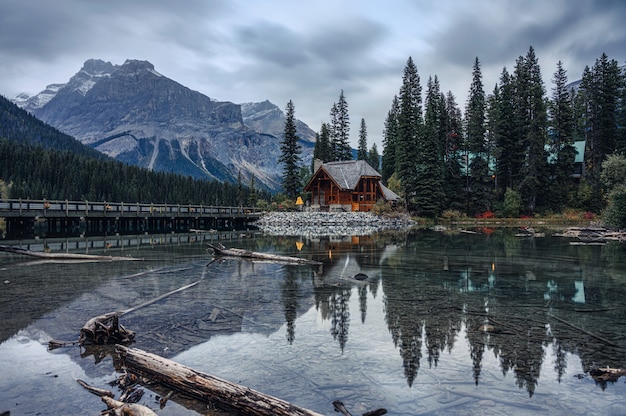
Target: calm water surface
x=446, y=323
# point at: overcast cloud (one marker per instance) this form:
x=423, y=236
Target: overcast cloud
x=252, y=50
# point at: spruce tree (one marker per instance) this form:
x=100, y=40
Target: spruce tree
x=599, y=97
x=340, y=129
x=373, y=157
x=390, y=140
x=478, y=180
x=362, y=150
x=532, y=122
x=323, y=148
x=452, y=155
x=508, y=144
x=429, y=174
x=561, y=139
x=290, y=154
x=410, y=124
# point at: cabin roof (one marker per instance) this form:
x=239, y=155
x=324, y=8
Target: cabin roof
x=388, y=194
x=347, y=173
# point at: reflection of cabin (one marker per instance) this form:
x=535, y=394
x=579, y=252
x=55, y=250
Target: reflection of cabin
x=351, y=185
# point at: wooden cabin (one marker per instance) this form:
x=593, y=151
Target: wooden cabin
x=351, y=185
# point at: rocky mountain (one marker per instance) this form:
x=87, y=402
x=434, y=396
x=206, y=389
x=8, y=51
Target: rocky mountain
x=267, y=118
x=136, y=115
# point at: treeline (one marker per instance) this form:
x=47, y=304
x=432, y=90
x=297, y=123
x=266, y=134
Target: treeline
x=38, y=173
x=512, y=151
x=39, y=162
x=17, y=124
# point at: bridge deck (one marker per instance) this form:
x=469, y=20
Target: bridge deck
x=22, y=208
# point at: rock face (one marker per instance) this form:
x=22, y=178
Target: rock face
x=267, y=118
x=136, y=115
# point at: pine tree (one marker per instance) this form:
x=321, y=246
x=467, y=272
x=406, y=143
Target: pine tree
x=390, y=140
x=531, y=122
x=362, y=150
x=290, y=154
x=252, y=194
x=599, y=97
x=373, y=158
x=507, y=139
x=410, y=124
x=429, y=175
x=478, y=180
x=561, y=139
x=333, y=133
x=340, y=129
x=323, y=148
x=452, y=155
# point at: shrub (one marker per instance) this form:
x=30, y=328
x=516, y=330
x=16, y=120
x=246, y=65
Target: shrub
x=615, y=213
x=452, y=214
x=486, y=215
x=512, y=203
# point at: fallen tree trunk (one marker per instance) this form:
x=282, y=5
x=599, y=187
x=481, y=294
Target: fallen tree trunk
x=205, y=387
x=237, y=252
x=62, y=256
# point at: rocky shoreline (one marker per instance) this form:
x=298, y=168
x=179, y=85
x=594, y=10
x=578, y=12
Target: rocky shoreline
x=329, y=223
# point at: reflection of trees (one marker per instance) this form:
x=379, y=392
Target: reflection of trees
x=499, y=288
x=333, y=283
x=503, y=289
x=340, y=316
x=290, y=300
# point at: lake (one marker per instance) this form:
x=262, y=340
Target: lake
x=482, y=323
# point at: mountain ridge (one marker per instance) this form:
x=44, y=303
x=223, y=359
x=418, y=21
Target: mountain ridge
x=134, y=114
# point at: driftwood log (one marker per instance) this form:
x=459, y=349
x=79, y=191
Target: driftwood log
x=243, y=400
x=126, y=409
x=237, y=252
x=62, y=256
x=105, y=329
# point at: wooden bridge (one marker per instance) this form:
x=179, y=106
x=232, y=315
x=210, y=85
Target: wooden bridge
x=48, y=216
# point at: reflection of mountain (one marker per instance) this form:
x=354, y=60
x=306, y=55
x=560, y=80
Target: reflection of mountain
x=499, y=295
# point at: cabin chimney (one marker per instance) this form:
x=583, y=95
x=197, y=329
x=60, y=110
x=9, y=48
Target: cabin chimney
x=317, y=163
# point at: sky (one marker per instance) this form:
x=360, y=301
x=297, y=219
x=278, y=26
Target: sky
x=309, y=51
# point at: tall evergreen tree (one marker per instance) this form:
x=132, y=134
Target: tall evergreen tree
x=531, y=119
x=561, y=139
x=390, y=140
x=429, y=172
x=599, y=95
x=373, y=157
x=322, y=150
x=290, y=153
x=362, y=150
x=478, y=190
x=340, y=129
x=620, y=139
x=452, y=155
x=410, y=124
x=509, y=153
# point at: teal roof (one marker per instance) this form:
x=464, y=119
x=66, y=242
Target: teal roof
x=580, y=151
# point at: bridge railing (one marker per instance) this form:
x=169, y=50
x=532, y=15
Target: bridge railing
x=52, y=208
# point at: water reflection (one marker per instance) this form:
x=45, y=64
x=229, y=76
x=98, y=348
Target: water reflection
x=429, y=301
x=514, y=296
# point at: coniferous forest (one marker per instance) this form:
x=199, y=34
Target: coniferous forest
x=32, y=165
x=518, y=148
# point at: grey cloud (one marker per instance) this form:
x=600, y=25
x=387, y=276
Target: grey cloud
x=272, y=44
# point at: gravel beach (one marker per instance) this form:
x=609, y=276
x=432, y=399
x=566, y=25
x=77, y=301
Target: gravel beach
x=329, y=223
